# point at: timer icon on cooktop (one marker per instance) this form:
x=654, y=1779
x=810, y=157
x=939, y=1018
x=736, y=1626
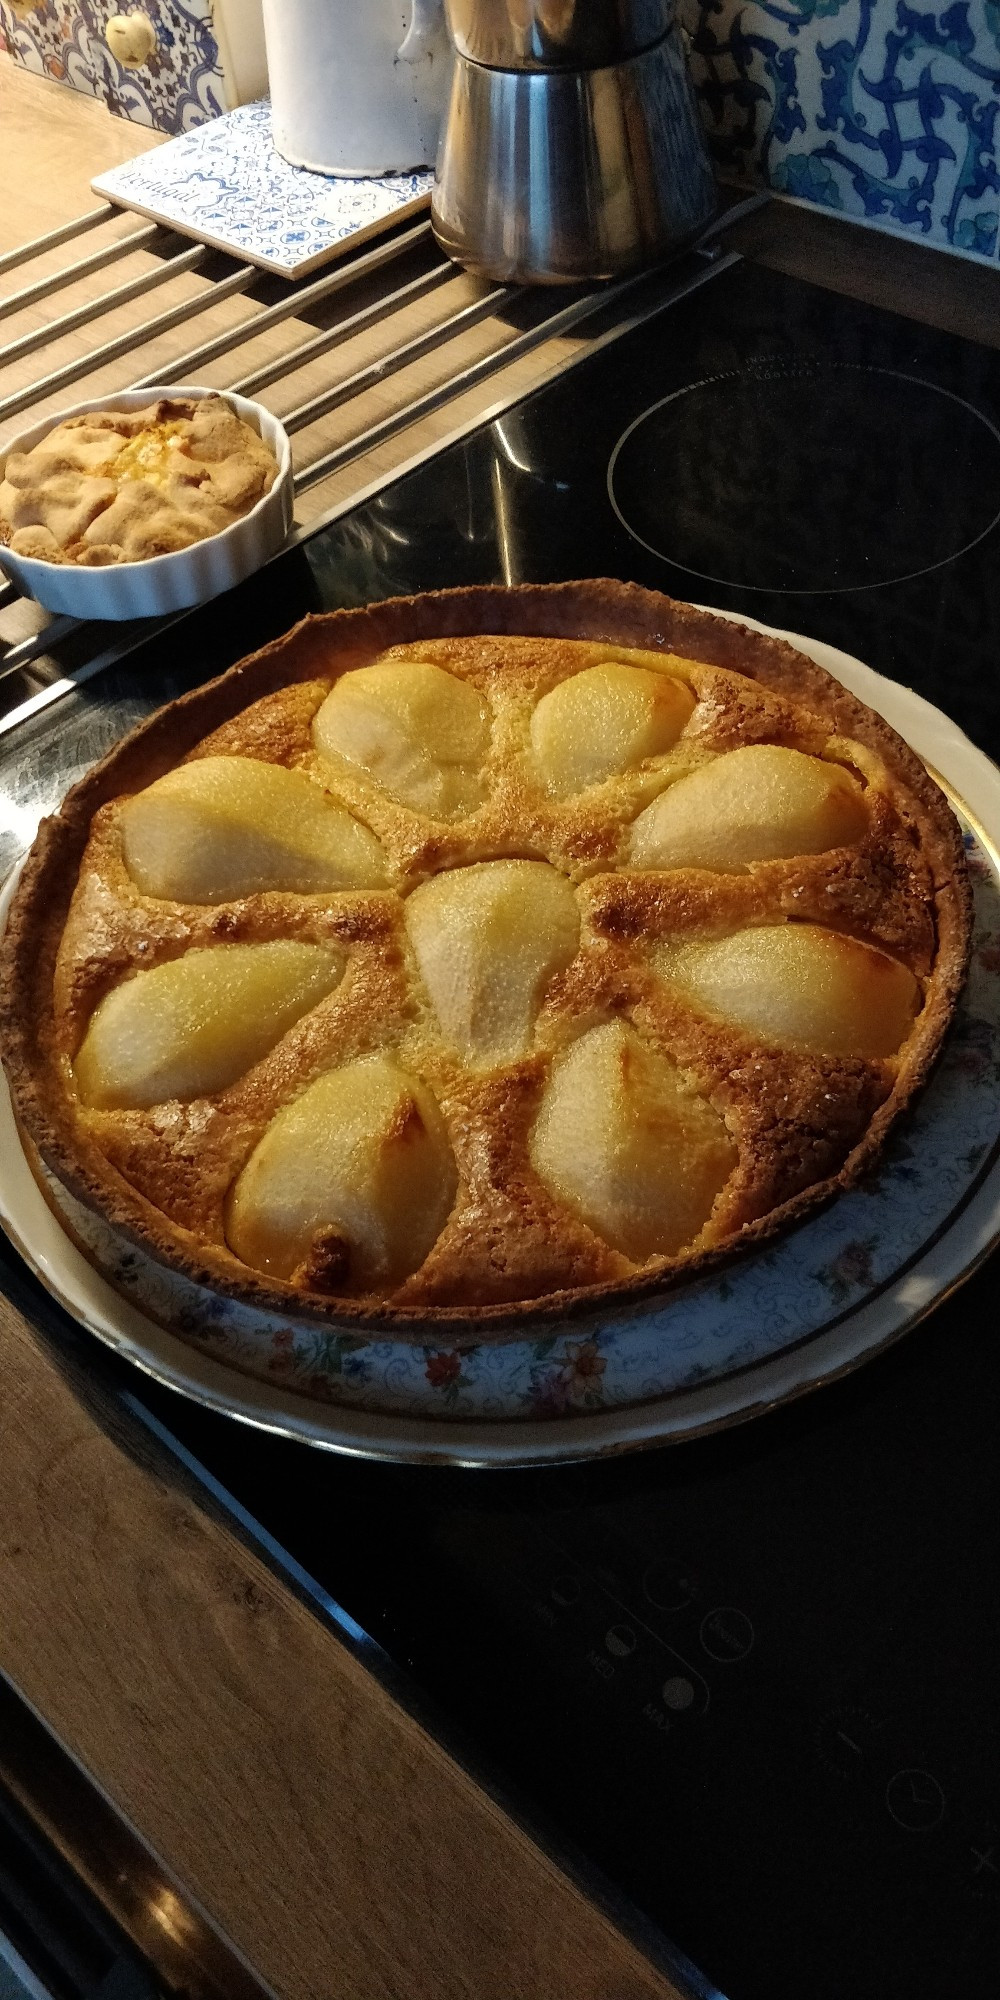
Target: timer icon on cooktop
x=915, y=1801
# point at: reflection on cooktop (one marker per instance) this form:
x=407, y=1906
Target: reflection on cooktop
x=807, y=476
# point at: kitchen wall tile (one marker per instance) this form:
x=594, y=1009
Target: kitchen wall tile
x=872, y=108
x=179, y=87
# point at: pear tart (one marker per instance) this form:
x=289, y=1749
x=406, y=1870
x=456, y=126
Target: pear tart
x=483, y=954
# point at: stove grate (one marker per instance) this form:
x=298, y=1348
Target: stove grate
x=462, y=350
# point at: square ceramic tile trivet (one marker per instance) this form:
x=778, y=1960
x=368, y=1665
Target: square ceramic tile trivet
x=226, y=184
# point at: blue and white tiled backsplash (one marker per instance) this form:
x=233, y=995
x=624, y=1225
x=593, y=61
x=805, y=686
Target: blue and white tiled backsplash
x=875, y=109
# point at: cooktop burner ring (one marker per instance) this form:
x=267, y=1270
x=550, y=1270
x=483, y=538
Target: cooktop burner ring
x=721, y=447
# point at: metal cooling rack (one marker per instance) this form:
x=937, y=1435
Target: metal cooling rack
x=442, y=332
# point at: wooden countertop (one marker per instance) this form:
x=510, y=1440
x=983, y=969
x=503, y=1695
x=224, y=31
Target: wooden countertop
x=327, y=1834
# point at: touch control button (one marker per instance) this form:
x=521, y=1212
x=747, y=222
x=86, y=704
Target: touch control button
x=620, y=1640
x=726, y=1635
x=565, y=1590
x=915, y=1801
x=982, y=1869
x=678, y=1693
x=667, y=1586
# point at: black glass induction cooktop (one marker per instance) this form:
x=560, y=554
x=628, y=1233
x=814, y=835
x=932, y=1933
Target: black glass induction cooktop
x=754, y=1680
x=738, y=478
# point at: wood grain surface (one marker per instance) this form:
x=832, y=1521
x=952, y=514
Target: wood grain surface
x=323, y=1829
x=901, y=275
x=52, y=143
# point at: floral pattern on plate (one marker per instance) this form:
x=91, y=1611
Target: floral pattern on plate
x=226, y=184
x=876, y=109
x=710, y=1329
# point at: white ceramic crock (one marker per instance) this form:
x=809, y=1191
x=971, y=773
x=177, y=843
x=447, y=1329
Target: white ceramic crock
x=358, y=87
x=163, y=583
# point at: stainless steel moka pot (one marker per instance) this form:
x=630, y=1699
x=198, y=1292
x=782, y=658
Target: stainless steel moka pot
x=571, y=147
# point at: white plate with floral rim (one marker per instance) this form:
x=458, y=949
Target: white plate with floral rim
x=799, y=1313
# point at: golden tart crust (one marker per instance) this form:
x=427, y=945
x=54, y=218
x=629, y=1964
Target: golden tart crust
x=120, y=486
x=511, y=1247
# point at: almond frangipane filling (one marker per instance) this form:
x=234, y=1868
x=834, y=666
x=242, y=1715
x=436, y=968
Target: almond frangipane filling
x=495, y=968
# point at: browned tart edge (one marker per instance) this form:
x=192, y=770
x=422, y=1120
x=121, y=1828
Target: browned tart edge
x=622, y=614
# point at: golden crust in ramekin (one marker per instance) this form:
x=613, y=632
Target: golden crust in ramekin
x=122, y=486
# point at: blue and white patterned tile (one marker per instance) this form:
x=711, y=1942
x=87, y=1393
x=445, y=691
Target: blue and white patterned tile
x=875, y=109
x=179, y=87
x=226, y=184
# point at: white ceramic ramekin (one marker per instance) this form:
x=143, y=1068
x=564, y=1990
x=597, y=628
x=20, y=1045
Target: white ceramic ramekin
x=163, y=583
